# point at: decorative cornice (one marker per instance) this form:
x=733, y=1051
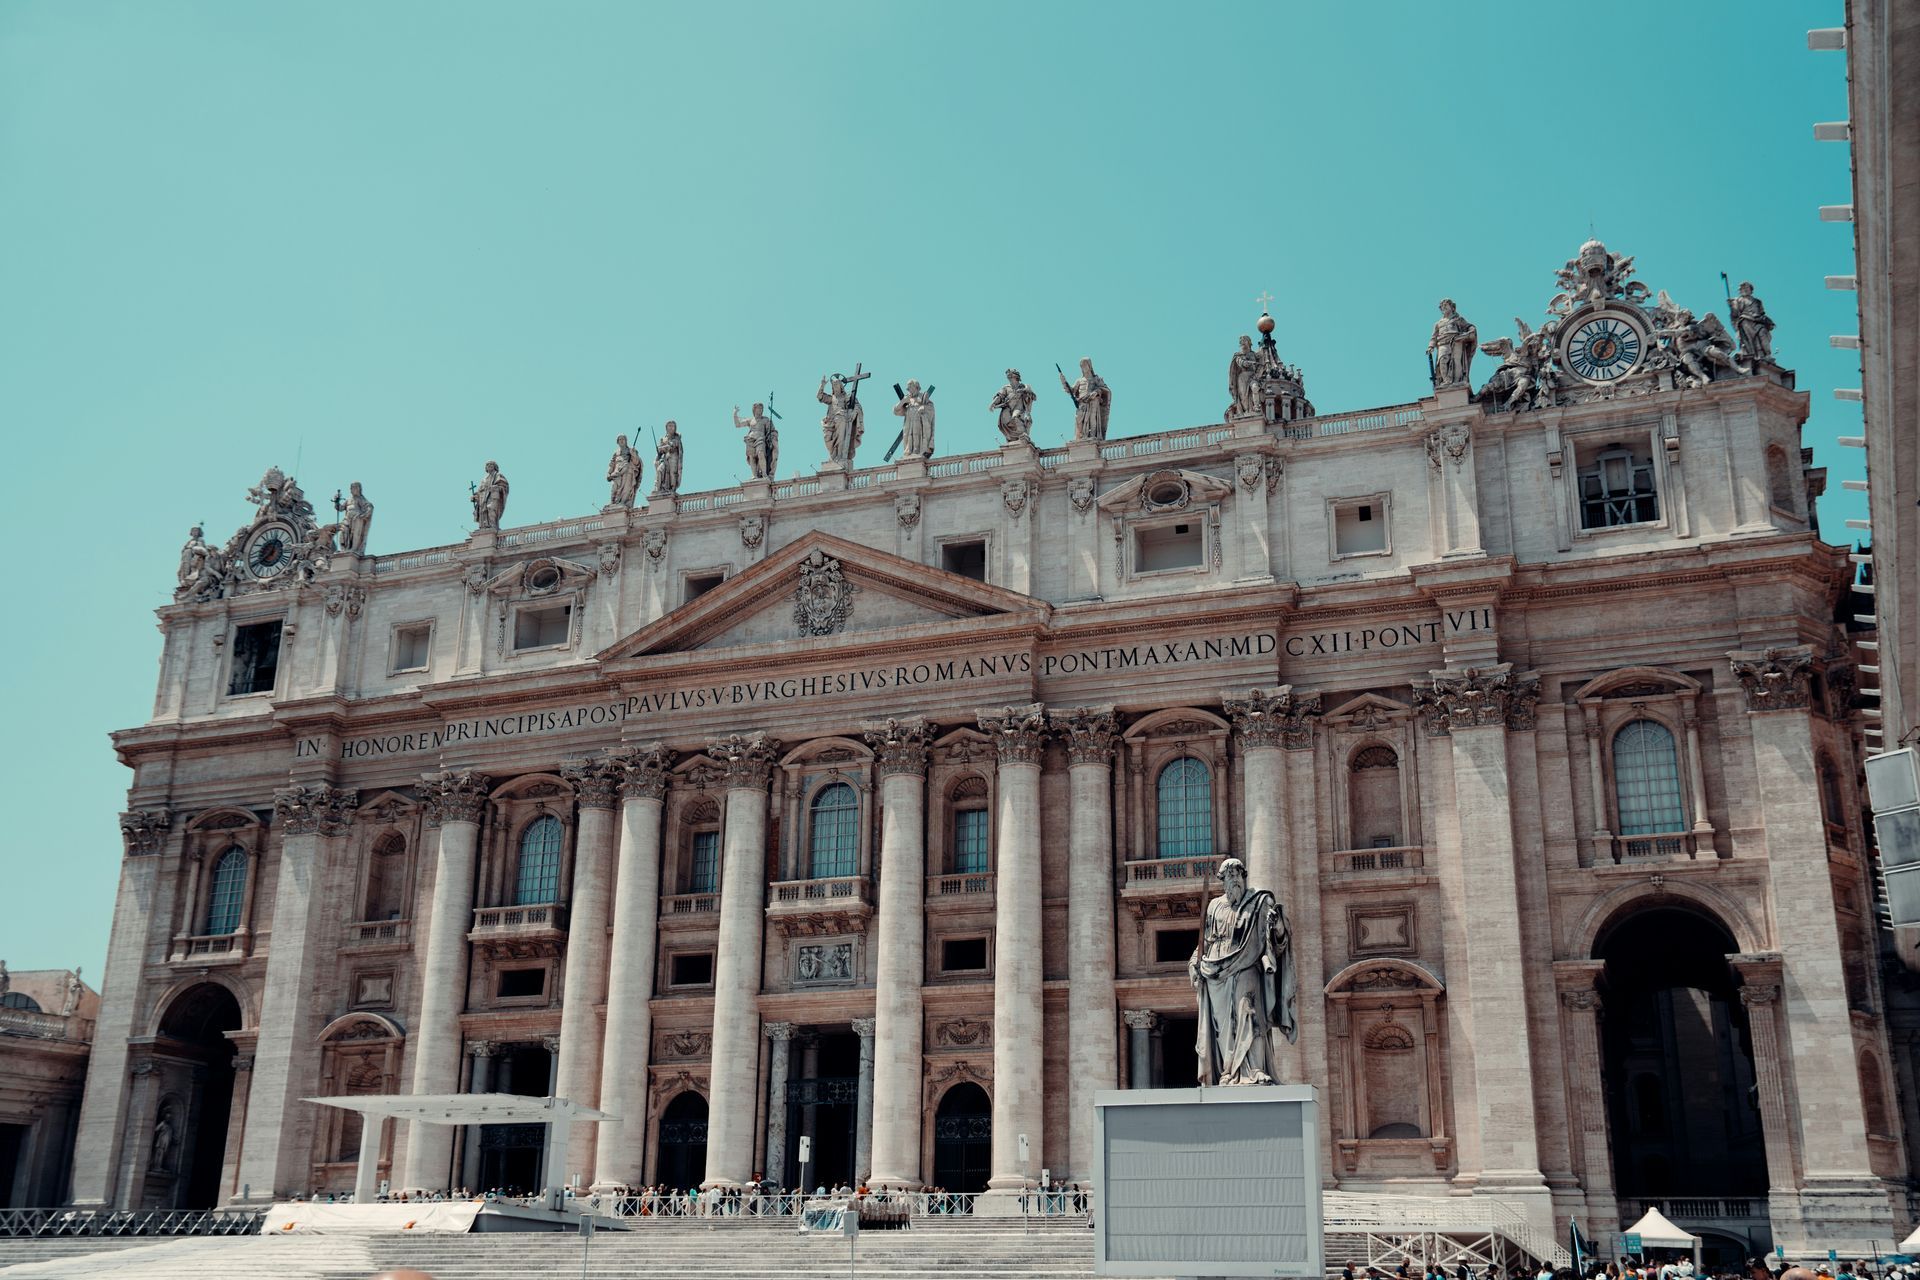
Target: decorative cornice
x=1477, y=697
x=457, y=795
x=1266, y=718
x=1774, y=679
x=144, y=830
x=746, y=758
x=317, y=809
x=900, y=745
x=1019, y=733
x=1090, y=734
x=644, y=771
x=595, y=782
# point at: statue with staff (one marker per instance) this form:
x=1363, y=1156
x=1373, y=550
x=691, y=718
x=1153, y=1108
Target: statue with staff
x=846, y=419
x=1244, y=981
x=1092, y=401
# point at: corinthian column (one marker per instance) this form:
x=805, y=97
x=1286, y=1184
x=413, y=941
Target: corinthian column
x=863, y=1104
x=1262, y=721
x=748, y=761
x=1019, y=735
x=578, y=1078
x=900, y=747
x=453, y=804
x=284, y=1057
x=780, y=1037
x=1093, y=1049
x=621, y=1157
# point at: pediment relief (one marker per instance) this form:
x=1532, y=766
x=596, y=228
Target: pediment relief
x=386, y=808
x=1169, y=489
x=1637, y=682
x=1368, y=713
x=821, y=587
x=965, y=746
x=541, y=576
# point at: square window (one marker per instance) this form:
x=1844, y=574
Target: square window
x=698, y=584
x=693, y=970
x=1360, y=527
x=1616, y=487
x=545, y=628
x=411, y=646
x=256, y=658
x=968, y=559
x=1175, y=946
x=963, y=955
x=1168, y=546
x=521, y=983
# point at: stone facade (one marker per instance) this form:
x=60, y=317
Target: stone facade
x=46, y=1030
x=891, y=825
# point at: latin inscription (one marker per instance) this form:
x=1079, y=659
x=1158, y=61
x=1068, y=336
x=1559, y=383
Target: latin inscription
x=1388, y=635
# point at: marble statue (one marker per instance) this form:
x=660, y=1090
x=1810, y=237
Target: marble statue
x=74, y=990
x=1243, y=380
x=846, y=419
x=915, y=411
x=1092, y=401
x=666, y=461
x=193, y=558
x=1015, y=403
x=623, y=473
x=162, y=1154
x=763, y=441
x=1751, y=322
x=356, y=517
x=1243, y=977
x=1525, y=378
x=1450, y=349
x=6, y=979
x=1697, y=346
x=490, y=498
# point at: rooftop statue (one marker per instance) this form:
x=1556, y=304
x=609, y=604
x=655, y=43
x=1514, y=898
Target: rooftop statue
x=1450, y=349
x=1699, y=347
x=356, y=517
x=846, y=420
x=490, y=498
x=1751, y=322
x=1525, y=378
x=1015, y=403
x=915, y=411
x=763, y=441
x=666, y=461
x=623, y=473
x=1243, y=978
x=1243, y=380
x=1092, y=402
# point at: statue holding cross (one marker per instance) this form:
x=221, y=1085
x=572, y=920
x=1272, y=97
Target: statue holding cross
x=846, y=419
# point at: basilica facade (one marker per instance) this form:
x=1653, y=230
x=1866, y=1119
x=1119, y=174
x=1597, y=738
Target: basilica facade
x=881, y=808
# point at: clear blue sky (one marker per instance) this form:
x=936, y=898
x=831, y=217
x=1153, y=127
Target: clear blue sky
x=384, y=242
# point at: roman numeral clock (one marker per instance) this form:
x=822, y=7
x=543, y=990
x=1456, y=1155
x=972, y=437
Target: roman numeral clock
x=1604, y=345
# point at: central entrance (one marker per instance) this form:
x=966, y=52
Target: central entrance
x=821, y=1105
x=963, y=1139
x=511, y=1155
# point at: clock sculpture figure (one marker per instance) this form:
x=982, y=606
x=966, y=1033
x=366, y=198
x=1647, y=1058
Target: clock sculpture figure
x=1244, y=982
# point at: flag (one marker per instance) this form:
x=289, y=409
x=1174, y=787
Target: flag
x=1579, y=1246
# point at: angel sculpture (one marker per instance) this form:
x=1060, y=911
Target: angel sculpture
x=1525, y=373
x=1698, y=346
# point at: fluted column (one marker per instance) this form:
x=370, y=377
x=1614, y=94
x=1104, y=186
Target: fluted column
x=748, y=761
x=863, y=1104
x=900, y=748
x=1019, y=735
x=594, y=783
x=481, y=1081
x=1141, y=1024
x=453, y=804
x=284, y=1062
x=780, y=1041
x=1586, y=1088
x=620, y=1158
x=1093, y=1051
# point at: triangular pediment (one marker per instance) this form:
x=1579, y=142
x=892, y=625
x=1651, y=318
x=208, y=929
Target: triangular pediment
x=848, y=590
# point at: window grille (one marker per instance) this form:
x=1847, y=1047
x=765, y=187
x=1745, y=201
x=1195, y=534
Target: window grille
x=834, y=848
x=256, y=658
x=226, y=892
x=969, y=841
x=538, y=877
x=1185, y=792
x=704, y=875
x=1646, y=779
x=1616, y=490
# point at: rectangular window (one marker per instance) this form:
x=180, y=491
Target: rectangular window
x=542, y=628
x=521, y=983
x=963, y=955
x=968, y=559
x=703, y=874
x=1360, y=528
x=698, y=584
x=1168, y=546
x=1175, y=946
x=410, y=647
x=1616, y=489
x=969, y=841
x=691, y=970
x=256, y=658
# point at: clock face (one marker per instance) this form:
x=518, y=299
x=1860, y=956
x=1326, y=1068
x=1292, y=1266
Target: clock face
x=269, y=551
x=1603, y=348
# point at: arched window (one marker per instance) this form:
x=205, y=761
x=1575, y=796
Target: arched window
x=1373, y=798
x=1646, y=779
x=970, y=827
x=701, y=820
x=226, y=891
x=19, y=1000
x=1185, y=793
x=386, y=870
x=538, y=877
x=834, y=847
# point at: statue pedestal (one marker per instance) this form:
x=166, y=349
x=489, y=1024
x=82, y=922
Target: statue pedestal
x=757, y=490
x=1083, y=451
x=833, y=476
x=1169, y=1165
x=1458, y=396
x=1022, y=451
x=914, y=468
x=1248, y=426
x=667, y=502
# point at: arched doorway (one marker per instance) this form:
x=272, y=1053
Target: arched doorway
x=1677, y=1059
x=186, y=1128
x=963, y=1139
x=683, y=1142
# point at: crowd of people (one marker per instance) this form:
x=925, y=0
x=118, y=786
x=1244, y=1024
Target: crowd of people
x=1629, y=1267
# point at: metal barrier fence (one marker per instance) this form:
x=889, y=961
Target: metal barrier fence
x=107, y=1222
x=1062, y=1202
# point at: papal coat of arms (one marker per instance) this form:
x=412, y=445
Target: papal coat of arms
x=824, y=598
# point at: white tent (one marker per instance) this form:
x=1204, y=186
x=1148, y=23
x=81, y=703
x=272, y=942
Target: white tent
x=1656, y=1232
x=1912, y=1243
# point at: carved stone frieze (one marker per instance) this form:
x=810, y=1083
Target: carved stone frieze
x=823, y=964
x=610, y=554
x=746, y=759
x=316, y=809
x=457, y=795
x=1014, y=495
x=900, y=745
x=1090, y=733
x=595, y=781
x=823, y=598
x=1275, y=717
x=685, y=1044
x=753, y=531
x=345, y=597
x=1448, y=444
x=1019, y=733
x=644, y=772
x=1774, y=679
x=144, y=830
x=963, y=1032
x=906, y=510
x=1080, y=492
x=654, y=543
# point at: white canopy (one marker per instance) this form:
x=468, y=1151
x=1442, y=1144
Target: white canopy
x=1912, y=1243
x=1656, y=1232
x=466, y=1108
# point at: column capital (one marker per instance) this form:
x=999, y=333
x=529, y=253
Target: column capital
x=1478, y=697
x=863, y=1027
x=144, y=830
x=1774, y=679
x=595, y=781
x=746, y=758
x=314, y=809
x=1140, y=1019
x=781, y=1031
x=900, y=745
x=550, y=1043
x=1268, y=718
x=1578, y=975
x=1090, y=733
x=456, y=795
x=1019, y=733
x=1758, y=968
x=243, y=1062
x=643, y=771
x=483, y=1048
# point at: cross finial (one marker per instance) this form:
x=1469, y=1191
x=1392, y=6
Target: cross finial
x=1263, y=300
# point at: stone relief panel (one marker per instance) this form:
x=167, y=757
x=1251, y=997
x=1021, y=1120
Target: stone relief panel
x=823, y=964
x=1381, y=930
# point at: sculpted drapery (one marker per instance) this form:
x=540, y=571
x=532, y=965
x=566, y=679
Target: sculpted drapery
x=1244, y=980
